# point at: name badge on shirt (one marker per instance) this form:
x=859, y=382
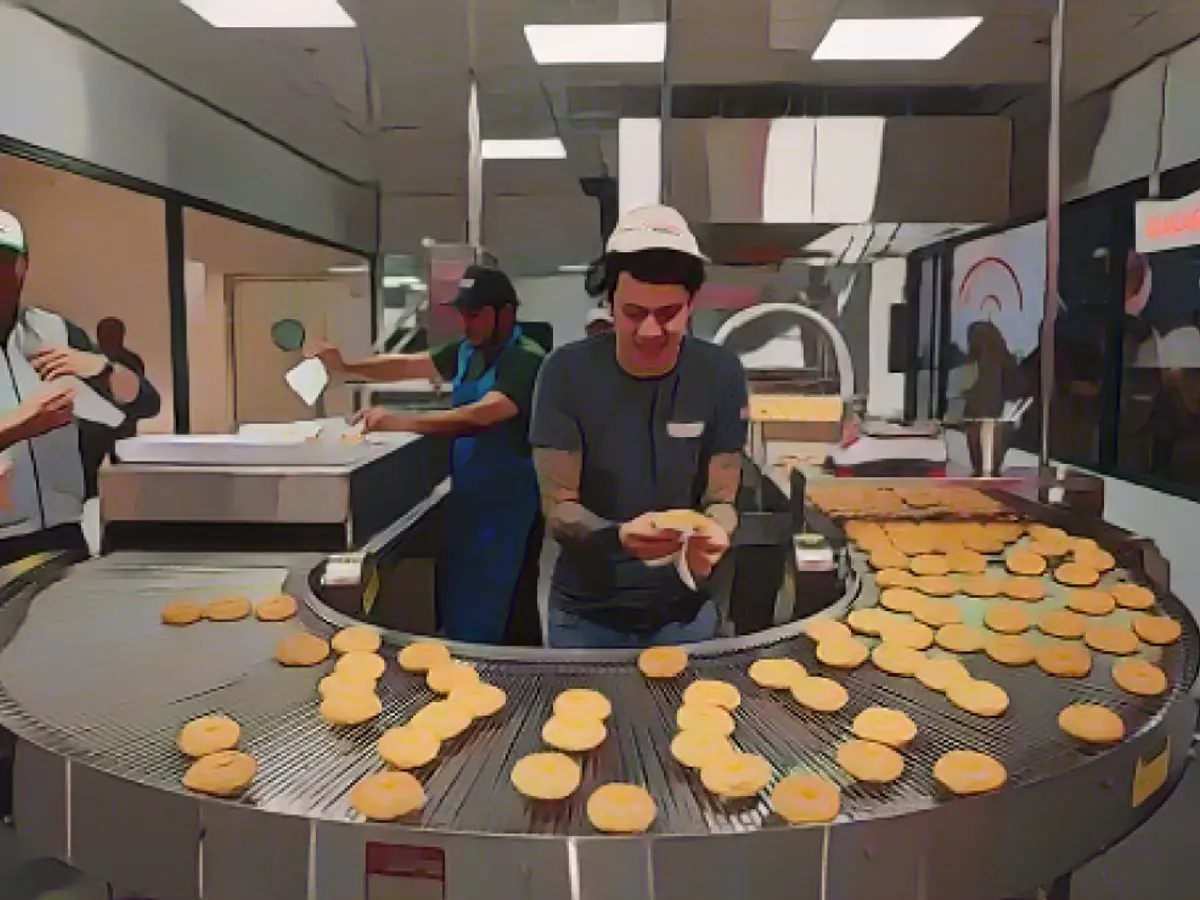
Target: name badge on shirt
x=685, y=430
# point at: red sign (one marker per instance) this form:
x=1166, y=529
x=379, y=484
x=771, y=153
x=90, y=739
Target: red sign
x=1187, y=221
x=399, y=872
x=1168, y=224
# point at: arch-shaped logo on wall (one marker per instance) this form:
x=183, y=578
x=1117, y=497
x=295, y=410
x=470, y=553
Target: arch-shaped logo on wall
x=980, y=272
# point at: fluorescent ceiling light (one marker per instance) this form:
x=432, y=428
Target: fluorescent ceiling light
x=533, y=148
x=348, y=270
x=895, y=39
x=396, y=281
x=627, y=42
x=573, y=269
x=271, y=13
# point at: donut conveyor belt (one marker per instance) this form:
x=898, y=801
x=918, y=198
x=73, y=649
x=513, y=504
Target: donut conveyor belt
x=91, y=675
x=104, y=618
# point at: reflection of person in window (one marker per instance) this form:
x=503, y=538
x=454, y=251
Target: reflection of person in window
x=1175, y=415
x=1166, y=363
x=995, y=368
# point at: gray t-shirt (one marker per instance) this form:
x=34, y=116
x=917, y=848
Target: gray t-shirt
x=646, y=444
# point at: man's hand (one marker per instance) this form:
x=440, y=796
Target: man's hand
x=376, y=419
x=44, y=412
x=646, y=541
x=330, y=356
x=53, y=363
x=706, y=547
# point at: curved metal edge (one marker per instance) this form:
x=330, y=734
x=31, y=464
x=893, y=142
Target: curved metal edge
x=300, y=585
x=382, y=542
x=178, y=845
x=840, y=349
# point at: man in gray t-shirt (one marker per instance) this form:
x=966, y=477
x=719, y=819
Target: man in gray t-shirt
x=631, y=423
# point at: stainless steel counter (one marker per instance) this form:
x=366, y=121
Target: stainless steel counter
x=358, y=498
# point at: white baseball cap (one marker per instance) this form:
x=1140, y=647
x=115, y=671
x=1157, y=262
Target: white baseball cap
x=598, y=314
x=654, y=228
x=12, y=235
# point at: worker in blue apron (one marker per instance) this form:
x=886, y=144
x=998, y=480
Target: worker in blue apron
x=491, y=545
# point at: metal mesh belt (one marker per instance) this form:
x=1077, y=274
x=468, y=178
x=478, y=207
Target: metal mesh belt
x=93, y=674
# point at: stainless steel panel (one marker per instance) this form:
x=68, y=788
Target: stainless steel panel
x=925, y=169
x=476, y=866
x=783, y=864
x=40, y=805
x=366, y=495
x=174, y=494
x=133, y=835
x=248, y=856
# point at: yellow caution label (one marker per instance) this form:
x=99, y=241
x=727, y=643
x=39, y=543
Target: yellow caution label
x=26, y=565
x=1149, y=777
x=370, y=592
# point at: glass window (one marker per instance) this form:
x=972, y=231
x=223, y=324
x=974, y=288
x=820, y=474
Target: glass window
x=1159, y=431
x=1093, y=241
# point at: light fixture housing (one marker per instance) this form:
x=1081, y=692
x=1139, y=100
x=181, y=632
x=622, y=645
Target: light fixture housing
x=619, y=43
x=895, y=40
x=523, y=148
x=271, y=13
x=397, y=281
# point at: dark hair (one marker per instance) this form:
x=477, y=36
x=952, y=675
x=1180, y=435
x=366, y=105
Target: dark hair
x=655, y=266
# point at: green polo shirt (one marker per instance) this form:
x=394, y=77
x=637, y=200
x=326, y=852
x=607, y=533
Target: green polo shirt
x=516, y=374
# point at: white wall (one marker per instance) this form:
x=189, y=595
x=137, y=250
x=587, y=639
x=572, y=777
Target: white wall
x=885, y=390
x=209, y=370
x=557, y=299
x=96, y=251
x=79, y=101
x=218, y=250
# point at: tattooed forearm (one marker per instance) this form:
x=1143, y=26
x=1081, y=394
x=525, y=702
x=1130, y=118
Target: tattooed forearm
x=724, y=479
x=567, y=520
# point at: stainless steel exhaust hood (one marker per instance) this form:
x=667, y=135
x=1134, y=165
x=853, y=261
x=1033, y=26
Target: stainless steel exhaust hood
x=790, y=175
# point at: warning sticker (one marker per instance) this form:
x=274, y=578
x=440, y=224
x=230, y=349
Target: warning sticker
x=398, y=872
x=1149, y=777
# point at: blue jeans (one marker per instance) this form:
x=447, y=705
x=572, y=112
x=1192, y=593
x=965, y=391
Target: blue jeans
x=569, y=631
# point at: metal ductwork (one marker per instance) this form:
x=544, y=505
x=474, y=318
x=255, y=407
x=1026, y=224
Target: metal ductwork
x=763, y=188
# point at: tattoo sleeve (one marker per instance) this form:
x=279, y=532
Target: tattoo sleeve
x=567, y=519
x=720, y=493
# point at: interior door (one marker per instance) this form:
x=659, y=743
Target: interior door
x=337, y=310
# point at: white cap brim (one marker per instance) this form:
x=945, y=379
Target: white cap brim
x=654, y=228
x=12, y=235
x=637, y=241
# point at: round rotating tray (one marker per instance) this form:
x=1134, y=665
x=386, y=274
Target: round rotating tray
x=97, y=689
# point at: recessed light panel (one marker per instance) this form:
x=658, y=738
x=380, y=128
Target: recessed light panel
x=271, y=13
x=895, y=39
x=627, y=42
x=533, y=148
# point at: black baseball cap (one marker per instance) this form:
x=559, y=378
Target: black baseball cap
x=482, y=287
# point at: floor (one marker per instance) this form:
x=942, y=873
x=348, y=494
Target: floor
x=1155, y=863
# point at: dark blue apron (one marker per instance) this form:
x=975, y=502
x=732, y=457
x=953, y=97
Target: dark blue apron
x=490, y=511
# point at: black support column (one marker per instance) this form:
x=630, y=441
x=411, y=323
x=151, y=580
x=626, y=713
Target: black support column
x=181, y=393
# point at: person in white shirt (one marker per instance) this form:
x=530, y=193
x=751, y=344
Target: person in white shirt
x=47, y=362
